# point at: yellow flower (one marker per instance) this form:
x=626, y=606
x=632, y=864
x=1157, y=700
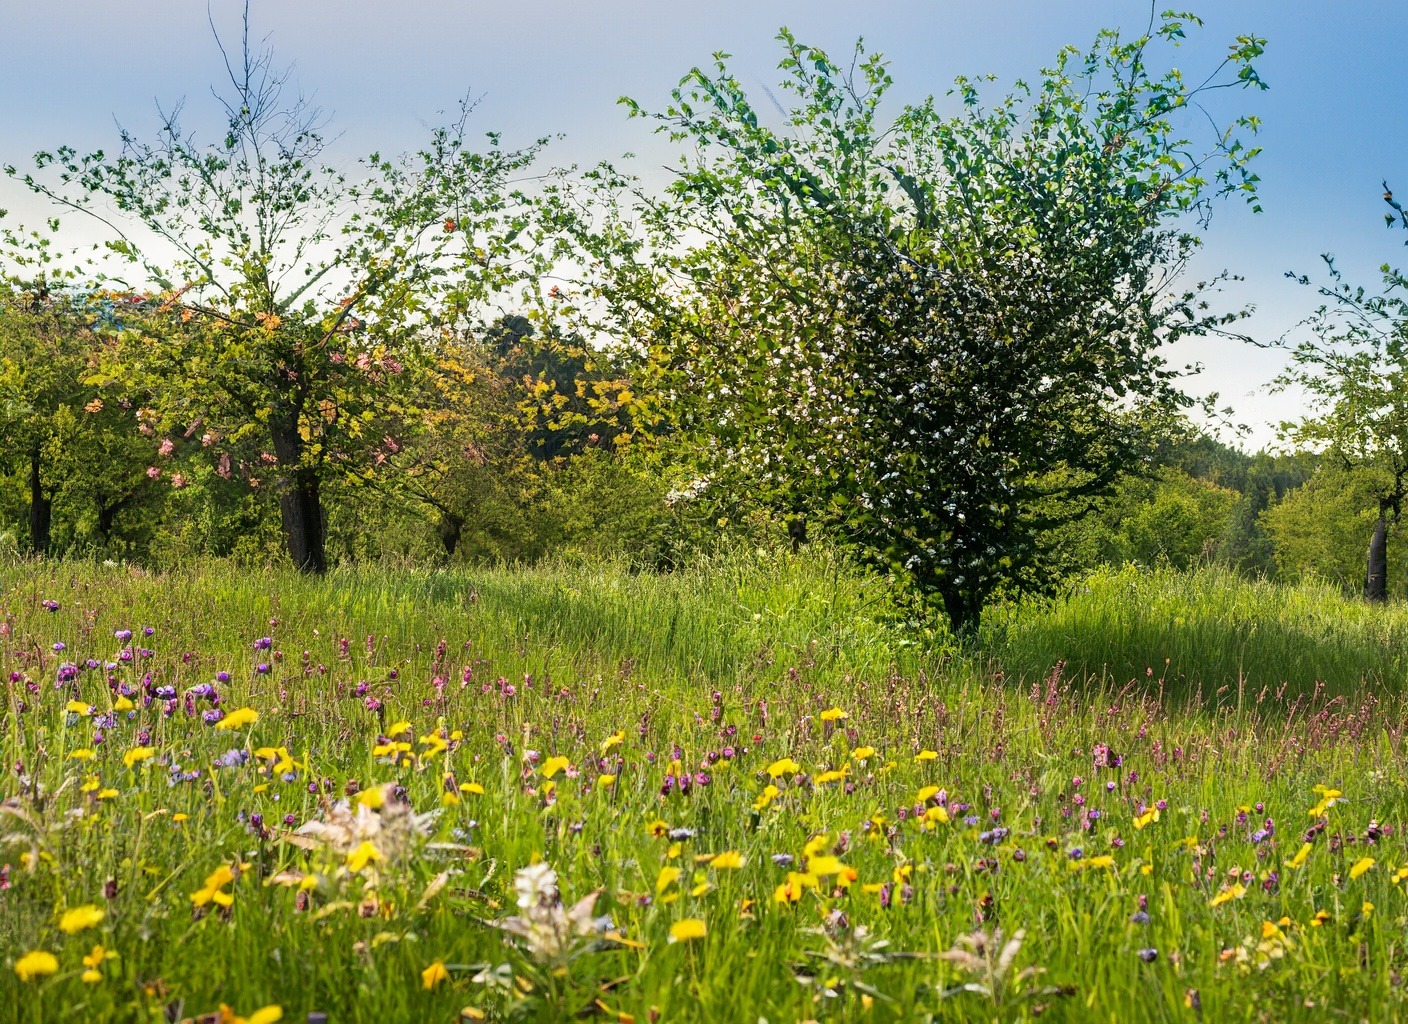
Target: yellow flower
x=472, y=787
x=96, y=957
x=399, y=728
x=265, y=1015
x=91, y=976
x=180, y=816
x=658, y=829
x=727, y=859
x=1300, y=857
x=614, y=740
x=238, y=719
x=667, y=877
x=1366, y=909
x=1400, y=875
x=1104, y=861
x=938, y=814
x=1236, y=892
x=37, y=964
x=213, y=890
x=769, y=793
x=1362, y=865
x=80, y=918
x=1147, y=818
x=83, y=754
x=1321, y=916
x=824, y=866
x=832, y=776
x=434, y=975
x=107, y=794
x=137, y=755
x=122, y=704
x=926, y=794
x=833, y=715
x=606, y=781
x=688, y=929
x=861, y=753
x=553, y=765
x=77, y=707
x=927, y=755
x=363, y=855
x=785, y=766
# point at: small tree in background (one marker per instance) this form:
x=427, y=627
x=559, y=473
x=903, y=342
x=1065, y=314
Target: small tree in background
x=1353, y=367
x=296, y=311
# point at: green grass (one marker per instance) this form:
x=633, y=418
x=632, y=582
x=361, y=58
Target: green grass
x=1208, y=635
x=746, y=653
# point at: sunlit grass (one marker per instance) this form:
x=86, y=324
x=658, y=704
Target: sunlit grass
x=855, y=807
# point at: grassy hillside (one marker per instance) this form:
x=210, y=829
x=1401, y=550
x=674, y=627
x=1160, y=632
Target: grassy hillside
x=344, y=795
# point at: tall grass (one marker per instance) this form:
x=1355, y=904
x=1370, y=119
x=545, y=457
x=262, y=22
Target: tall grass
x=1206, y=635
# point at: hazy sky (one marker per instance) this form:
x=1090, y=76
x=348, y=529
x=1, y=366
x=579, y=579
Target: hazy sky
x=1335, y=116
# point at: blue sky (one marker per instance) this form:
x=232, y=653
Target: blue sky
x=1335, y=116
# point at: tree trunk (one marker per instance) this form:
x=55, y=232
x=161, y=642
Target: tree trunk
x=965, y=610
x=300, y=505
x=1376, y=580
x=40, y=509
x=450, y=528
x=797, y=531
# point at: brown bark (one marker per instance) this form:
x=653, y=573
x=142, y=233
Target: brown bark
x=40, y=509
x=1376, y=579
x=300, y=505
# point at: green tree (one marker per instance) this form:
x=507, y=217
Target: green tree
x=942, y=333
x=302, y=307
x=1352, y=366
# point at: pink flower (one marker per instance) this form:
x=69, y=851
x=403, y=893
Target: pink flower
x=167, y=447
x=178, y=480
x=153, y=472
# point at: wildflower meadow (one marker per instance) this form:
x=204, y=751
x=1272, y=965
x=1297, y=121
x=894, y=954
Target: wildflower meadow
x=741, y=792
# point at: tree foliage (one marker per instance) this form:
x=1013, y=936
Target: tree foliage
x=296, y=310
x=941, y=331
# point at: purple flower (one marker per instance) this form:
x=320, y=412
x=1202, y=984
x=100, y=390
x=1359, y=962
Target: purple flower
x=233, y=758
x=123, y=635
x=52, y=606
x=60, y=646
x=263, y=643
x=1149, y=955
x=262, y=668
x=1139, y=917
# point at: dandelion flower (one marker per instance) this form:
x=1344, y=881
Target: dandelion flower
x=434, y=975
x=729, y=859
x=927, y=755
x=1300, y=857
x=688, y=929
x=784, y=766
x=833, y=715
x=137, y=755
x=80, y=919
x=1362, y=865
x=36, y=964
x=553, y=765
x=238, y=719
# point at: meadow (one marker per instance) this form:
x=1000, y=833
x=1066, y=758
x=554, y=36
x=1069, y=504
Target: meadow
x=745, y=791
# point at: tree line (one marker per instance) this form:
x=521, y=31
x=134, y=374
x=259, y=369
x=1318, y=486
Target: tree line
x=936, y=335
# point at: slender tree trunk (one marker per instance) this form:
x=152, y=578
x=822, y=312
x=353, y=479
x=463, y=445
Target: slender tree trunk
x=964, y=610
x=40, y=509
x=797, y=531
x=300, y=504
x=1376, y=580
x=450, y=528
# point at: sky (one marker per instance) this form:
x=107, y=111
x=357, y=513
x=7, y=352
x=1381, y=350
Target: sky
x=1335, y=120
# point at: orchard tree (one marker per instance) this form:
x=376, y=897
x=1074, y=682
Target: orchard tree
x=943, y=332
x=303, y=306
x=1353, y=367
